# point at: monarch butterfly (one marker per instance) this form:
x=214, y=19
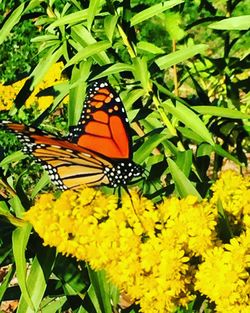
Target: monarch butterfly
x=98, y=151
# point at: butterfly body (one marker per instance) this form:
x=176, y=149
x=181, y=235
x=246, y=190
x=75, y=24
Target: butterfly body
x=97, y=150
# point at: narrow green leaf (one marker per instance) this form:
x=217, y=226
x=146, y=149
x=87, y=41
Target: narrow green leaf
x=190, y=119
x=223, y=112
x=44, y=38
x=101, y=286
x=179, y=56
x=153, y=10
x=13, y=157
x=37, y=280
x=110, y=22
x=114, y=69
x=13, y=19
x=93, y=9
x=131, y=97
x=70, y=19
x=188, y=133
x=43, y=181
x=141, y=73
x=83, y=38
x=184, y=161
x=91, y=50
x=54, y=305
x=149, y=47
x=148, y=146
x=20, y=238
x=45, y=65
x=3, y=208
x=233, y=23
x=219, y=150
x=77, y=91
x=17, y=206
x=6, y=281
x=183, y=184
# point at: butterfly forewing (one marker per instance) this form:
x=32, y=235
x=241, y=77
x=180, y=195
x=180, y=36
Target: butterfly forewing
x=103, y=126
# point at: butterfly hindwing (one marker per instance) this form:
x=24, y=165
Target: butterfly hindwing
x=67, y=164
x=103, y=126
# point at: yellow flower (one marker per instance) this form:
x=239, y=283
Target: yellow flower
x=8, y=93
x=224, y=276
x=157, y=254
x=234, y=192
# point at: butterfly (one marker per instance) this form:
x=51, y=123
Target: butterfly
x=97, y=151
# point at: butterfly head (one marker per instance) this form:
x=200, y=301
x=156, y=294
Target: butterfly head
x=122, y=173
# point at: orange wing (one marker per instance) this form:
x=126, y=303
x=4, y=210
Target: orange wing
x=68, y=165
x=103, y=126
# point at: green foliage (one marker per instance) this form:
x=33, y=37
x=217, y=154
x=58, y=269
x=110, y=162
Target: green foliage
x=188, y=118
x=17, y=56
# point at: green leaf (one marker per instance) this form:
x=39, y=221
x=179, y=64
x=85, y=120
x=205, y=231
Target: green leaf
x=190, y=119
x=3, y=208
x=70, y=19
x=131, y=97
x=149, y=47
x=43, y=181
x=219, y=150
x=13, y=19
x=188, y=133
x=153, y=10
x=148, y=146
x=54, y=306
x=17, y=206
x=233, y=23
x=101, y=287
x=77, y=91
x=45, y=65
x=43, y=38
x=184, y=161
x=6, y=281
x=183, y=184
x=93, y=9
x=114, y=69
x=83, y=38
x=13, y=157
x=223, y=112
x=37, y=280
x=179, y=56
x=20, y=238
x=141, y=73
x=90, y=50
x=110, y=22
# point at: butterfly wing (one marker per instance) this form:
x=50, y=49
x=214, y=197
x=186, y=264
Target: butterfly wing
x=103, y=126
x=68, y=165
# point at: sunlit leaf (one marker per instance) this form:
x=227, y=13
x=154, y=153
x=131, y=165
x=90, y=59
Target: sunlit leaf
x=20, y=238
x=70, y=19
x=110, y=22
x=190, y=119
x=223, y=112
x=183, y=184
x=91, y=50
x=179, y=56
x=94, y=6
x=153, y=10
x=233, y=23
x=37, y=280
x=13, y=19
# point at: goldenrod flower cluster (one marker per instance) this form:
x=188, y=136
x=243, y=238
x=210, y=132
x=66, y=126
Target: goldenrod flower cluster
x=160, y=255
x=8, y=93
